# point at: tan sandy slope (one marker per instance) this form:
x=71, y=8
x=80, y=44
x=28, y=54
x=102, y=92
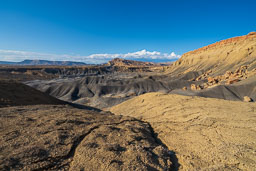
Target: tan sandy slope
x=222, y=56
x=205, y=133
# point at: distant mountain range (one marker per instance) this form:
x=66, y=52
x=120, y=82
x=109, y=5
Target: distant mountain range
x=42, y=62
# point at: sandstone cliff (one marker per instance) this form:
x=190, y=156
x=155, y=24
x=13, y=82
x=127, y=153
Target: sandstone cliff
x=219, y=57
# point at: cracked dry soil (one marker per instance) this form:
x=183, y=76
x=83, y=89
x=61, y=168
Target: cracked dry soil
x=205, y=133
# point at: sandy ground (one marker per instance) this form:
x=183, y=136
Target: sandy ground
x=205, y=133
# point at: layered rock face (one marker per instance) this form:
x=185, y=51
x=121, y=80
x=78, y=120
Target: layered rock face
x=124, y=65
x=124, y=62
x=219, y=57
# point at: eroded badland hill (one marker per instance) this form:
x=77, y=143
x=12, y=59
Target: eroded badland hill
x=207, y=133
x=226, y=55
x=48, y=120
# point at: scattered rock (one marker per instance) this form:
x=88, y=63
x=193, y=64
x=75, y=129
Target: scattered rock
x=195, y=87
x=227, y=74
x=247, y=99
x=228, y=78
x=232, y=81
x=252, y=33
x=199, y=78
x=210, y=79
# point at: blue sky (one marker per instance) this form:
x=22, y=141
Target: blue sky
x=97, y=30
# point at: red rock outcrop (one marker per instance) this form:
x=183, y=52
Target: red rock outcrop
x=218, y=57
x=224, y=42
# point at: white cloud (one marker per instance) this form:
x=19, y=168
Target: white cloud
x=11, y=55
x=143, y=54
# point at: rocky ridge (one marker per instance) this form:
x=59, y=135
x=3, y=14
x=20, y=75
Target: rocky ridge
x=219, y=57
x=125, y=62
x=223, y=43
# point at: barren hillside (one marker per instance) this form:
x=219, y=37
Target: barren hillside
x=48, y=137
x=39, y=132
x=205, y=133
x=13, y=93
x=219, y=57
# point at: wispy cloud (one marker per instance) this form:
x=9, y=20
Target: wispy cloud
x=12, y=55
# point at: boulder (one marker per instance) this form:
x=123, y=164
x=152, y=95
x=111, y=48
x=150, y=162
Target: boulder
x=227, y=74
x=232, y=81
x=247, y=99
x=193, y=87
x=213, y=80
